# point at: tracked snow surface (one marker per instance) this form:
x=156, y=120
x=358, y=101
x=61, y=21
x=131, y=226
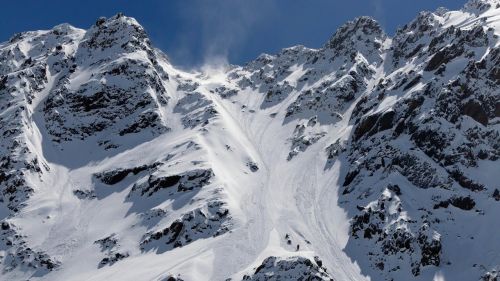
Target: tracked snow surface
x=371, y=158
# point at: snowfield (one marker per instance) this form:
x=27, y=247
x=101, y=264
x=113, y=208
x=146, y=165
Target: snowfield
x=371, y=158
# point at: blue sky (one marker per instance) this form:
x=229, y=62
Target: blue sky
x=193, y=31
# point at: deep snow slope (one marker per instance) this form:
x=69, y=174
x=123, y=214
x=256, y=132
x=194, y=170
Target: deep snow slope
x=371, y=158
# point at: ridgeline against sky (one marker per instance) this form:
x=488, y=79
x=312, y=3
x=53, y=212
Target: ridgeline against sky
x=192, y=31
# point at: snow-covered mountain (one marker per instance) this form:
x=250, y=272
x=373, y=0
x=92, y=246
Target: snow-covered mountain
x=371, y=158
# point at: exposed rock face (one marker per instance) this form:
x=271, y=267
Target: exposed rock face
x=179, y=183
x=195, y=225
x=292, y=268
x=196, y=110
x=428, y=139
x=115, y=176
x=111, y=247
x=17, y=254
x=123, y=96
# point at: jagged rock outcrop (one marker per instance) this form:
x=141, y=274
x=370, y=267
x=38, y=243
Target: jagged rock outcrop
x=292, y=268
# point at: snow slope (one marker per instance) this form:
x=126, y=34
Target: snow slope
x=371, y=158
